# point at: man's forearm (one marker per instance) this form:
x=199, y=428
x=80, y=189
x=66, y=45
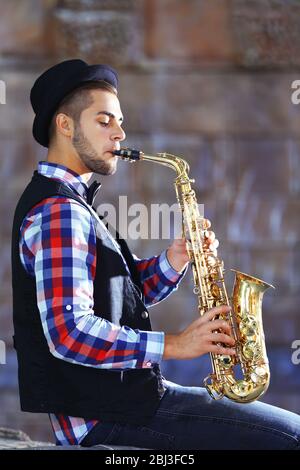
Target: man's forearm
x=158, y=277
x=170, y=349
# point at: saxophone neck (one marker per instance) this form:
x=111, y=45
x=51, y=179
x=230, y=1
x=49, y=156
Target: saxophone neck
x=178, y=164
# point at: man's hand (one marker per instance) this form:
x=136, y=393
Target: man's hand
x=178, y=255
x=200, y=337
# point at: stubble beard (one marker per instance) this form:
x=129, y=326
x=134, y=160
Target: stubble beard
x=89, y=156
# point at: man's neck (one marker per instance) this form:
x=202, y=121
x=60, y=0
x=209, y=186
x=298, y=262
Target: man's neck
x=71, y=162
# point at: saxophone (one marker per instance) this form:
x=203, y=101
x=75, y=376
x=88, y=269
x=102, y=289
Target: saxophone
x=244, y=377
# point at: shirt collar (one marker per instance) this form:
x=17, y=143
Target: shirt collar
x=64, y=174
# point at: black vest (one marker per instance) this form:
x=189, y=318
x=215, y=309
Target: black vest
x=51, y=385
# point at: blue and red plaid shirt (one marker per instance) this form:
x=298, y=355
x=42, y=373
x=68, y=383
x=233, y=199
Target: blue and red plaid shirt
x=58, y=248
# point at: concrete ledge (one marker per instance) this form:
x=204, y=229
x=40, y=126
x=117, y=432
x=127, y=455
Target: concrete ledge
x=12, y=439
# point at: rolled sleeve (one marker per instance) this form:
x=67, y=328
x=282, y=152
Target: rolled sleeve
x=154, y=348
x=168, y=271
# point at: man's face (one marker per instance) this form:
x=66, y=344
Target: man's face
x=99, y=133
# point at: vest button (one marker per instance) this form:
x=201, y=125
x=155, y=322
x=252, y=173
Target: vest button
x=145, y=315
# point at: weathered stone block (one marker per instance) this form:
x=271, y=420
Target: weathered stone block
x=102, y=32
x=209, y=103
x=25, y=28
x=266, y=32
x=16, y=115
x=188, y=31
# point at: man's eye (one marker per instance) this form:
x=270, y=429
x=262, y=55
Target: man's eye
x=104, y=123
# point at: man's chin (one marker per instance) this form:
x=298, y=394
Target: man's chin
x=113, y=166
x=107, y=170
x=112, y=171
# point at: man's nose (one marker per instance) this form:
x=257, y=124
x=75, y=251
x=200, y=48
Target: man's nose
x=118, y=134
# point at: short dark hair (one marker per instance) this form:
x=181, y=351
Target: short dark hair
x=77, y=101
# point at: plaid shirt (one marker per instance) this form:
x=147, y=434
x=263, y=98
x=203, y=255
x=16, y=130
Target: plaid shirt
x=58, y=247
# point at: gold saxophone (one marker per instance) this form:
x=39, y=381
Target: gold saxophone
x=245, y=317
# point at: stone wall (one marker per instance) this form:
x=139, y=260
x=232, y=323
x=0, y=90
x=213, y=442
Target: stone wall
x=208, y=80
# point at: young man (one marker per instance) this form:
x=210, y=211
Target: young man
x=86, y=351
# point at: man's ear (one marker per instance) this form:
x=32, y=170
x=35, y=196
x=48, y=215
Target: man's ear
x=64, y=125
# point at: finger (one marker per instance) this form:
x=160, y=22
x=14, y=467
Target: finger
x=214, y=245
x=206, y=318
x=210, y=252
x=215, y=325
x=221, y=338
x=206, y=223
x=212, y=258
x=211, y=244
x=218, y=349
x=210, y=235
x=213, y=312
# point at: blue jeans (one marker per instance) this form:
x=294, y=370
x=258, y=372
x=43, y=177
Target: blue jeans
x=188, y=418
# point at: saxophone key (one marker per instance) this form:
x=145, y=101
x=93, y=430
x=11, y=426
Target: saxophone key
x=215, y=291
x=242, y=388
x=248, y=327
x=251, y=350
x=226, y=361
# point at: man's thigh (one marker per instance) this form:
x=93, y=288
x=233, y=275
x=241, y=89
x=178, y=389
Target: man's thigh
x=188, y=418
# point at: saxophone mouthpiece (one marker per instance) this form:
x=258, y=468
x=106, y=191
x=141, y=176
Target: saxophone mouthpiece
x=130, y=155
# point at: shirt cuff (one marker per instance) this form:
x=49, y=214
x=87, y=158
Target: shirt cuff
x=168, y=271
x=155, y=344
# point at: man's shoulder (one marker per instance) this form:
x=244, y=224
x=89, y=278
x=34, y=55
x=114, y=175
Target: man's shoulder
x=55, y=206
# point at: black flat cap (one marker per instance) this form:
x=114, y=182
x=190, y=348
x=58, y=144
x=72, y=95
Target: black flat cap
x=55, y=83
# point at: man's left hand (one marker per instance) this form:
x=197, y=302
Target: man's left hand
x=178, y=255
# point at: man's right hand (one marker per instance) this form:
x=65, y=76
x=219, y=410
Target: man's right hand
x=201, y=337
